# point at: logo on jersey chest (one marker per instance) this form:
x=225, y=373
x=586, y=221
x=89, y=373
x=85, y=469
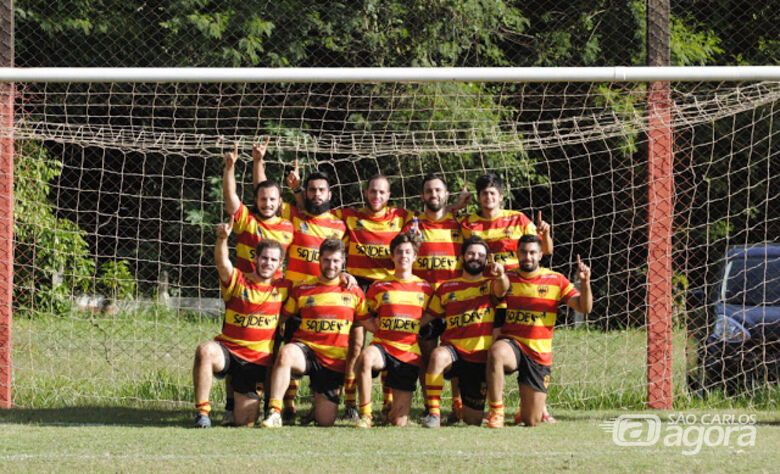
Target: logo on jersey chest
x=542, y=289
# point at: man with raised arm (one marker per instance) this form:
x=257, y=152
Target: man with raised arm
x=244, y=348
x=398, y=304
x=251, y=226
x=319, y=346
x=467, y=305
x=524, y=344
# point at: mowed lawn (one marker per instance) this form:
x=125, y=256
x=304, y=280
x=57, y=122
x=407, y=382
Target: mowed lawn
x=112, y=393
x=123, y=439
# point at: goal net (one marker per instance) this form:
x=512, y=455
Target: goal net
x=118, y=191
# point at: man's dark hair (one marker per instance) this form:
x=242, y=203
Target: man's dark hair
x=529, y=239
x=266, y=185
x=269, y=244
x=404, y=237
x=314, y=176
x=475, y=240
x=432, y=177
x=490, y=180
x=332, y=245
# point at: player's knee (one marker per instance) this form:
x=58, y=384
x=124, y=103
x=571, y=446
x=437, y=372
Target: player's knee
x=439, y=360
x=286, y=356
x=204, y=352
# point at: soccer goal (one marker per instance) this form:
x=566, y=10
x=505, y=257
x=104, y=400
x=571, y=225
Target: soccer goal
x=651, y=175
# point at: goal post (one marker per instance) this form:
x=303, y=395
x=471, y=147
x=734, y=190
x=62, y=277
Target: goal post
x=594, y=148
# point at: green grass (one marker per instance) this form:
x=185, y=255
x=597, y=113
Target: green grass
x=94, y=359
x=104, y=439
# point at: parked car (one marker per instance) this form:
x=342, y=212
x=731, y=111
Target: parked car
x=739, y=337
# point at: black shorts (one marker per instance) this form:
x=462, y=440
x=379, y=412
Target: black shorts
x=322, y=380
x=529, y=372
x=400, y=375
x=432, y=330
x=290, y=326
x=471, y=379
x=247, y=378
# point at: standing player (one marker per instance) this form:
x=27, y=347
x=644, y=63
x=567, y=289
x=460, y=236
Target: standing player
x=525, y=341
x=438, y=261
x=369, y=231
x=319, y=345
x=467, y=305
x=398, y=304
x=252, y=226
x=244, y=348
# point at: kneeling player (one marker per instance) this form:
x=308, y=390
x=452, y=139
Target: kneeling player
x=319, y=347
x=525, y=342
x=398, y=304
x=244, y=348
x=467, y=305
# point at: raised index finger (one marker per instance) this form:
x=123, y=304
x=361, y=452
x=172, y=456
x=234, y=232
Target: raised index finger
x=235, y=148
x=295, y=165
x=579, y=262
x=267, y=141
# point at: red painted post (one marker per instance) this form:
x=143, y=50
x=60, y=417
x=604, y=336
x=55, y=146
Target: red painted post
x=6, y=201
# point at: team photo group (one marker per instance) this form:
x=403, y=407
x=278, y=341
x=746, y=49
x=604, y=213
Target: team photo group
x=445, y=295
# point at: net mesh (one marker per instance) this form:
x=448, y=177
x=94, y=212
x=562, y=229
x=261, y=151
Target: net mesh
x=118, y=190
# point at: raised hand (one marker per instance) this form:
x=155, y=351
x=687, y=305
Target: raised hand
x=583, y=271
x=542, y=227
x=415, y=225
x=231, y=157
x=464, y=197
x=294, y=179
x=258, y=150
x=494, y=268
x=224, y=230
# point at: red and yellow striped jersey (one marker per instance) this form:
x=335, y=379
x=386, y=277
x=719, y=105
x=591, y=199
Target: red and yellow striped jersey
x=399, y=306
x=251, y=230
x=532, y=305
x=438, y=259
x=368, y=249
x=251, y=316
x=501, y=233
x=309, y=232
x=467, y=307
x=327, y=312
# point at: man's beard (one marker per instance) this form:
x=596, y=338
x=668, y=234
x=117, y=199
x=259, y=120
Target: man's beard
x=260, y=214
x=317, y=209
x=529, y=267
x=474, y=267
x=434, y=207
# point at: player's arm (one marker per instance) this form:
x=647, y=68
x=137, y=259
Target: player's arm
x=232, y=201
x=293, y=181
x=426, y=318
x=258, y=166
x=348, y=280
x=221, y=252
x=544, y=232
x=500, y=280
x=463, y=199
x=584, y=302
x=369, y=323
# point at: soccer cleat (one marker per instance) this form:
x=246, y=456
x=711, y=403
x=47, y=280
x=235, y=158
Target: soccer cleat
x=455, y=416
x=431, y=421
x=228, y=419
x=386, y=413
x=364, y=422
x=202, y=421
x=495, y=420
x=272, y=420
x=288, y=416
x=350, y=414
x=307, y=419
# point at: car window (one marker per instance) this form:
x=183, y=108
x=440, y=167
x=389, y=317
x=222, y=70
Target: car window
x=753, y=282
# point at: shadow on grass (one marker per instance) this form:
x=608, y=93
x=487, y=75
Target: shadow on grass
x=99, y=415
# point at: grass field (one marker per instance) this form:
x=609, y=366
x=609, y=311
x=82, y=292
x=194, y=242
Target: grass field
x=125, y=439
x=83, y=385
